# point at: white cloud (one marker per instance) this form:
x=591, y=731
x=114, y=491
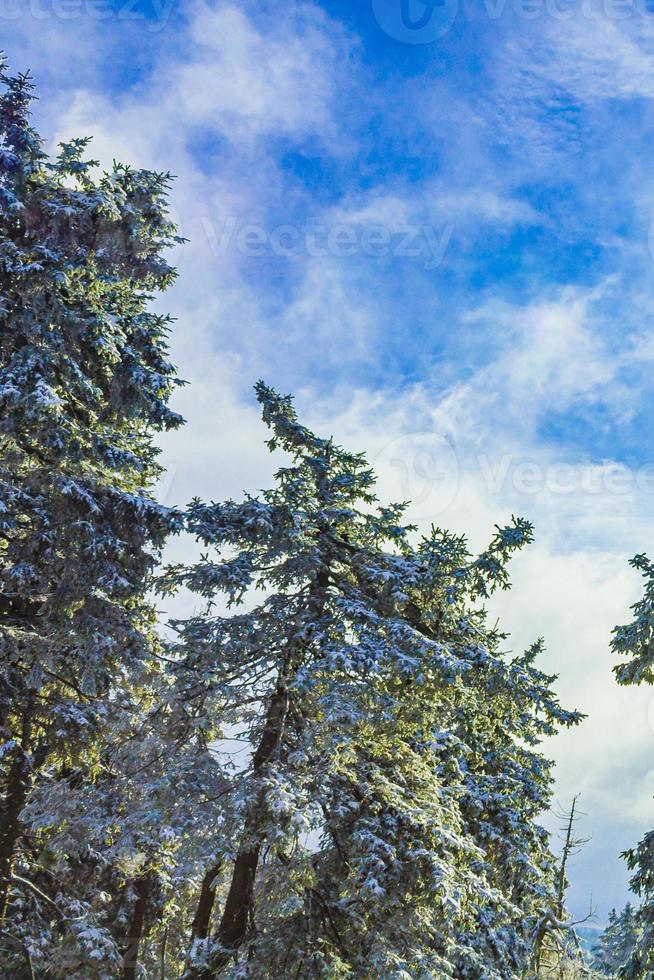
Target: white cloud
x=247, y=83
x=434, y=203
x=550, y=358
x=545, y=72
x=602, y=58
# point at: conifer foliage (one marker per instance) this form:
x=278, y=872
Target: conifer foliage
x=84, y=383
x=618, y=942
x=636, y=641
x=385, y=822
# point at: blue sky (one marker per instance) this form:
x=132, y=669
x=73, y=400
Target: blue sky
x=433, y=224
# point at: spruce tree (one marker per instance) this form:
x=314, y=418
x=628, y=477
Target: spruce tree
x=382, y=820
x=636, y=641
x=617, y=942
x=84, y=385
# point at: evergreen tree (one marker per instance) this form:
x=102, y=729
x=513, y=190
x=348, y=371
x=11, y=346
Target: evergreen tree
x=618, y=942
x=84, y=384
x=636, y=641
x=383, y=822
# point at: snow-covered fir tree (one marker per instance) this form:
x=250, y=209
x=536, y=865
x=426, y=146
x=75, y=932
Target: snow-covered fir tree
x=84, y=384
x=618, y=942
x=382, y=821
x=636, y=641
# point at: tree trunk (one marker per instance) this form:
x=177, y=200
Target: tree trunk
x=164, y=944
x=238, y=905
x=202, y=918
x=200, y=925
x=131, y=955
x=17, y=788
x=568, y=848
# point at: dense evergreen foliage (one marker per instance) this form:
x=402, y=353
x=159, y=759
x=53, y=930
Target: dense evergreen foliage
x=84, y=382
x=385, y=821
x=636, y=641
x=379, y=816
x=618, y=942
